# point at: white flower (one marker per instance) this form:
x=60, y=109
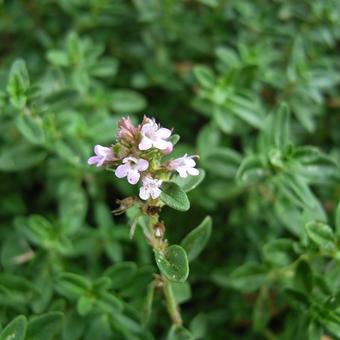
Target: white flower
x=154, y=136
x=184, y=165
x=103, y=154
x=150, y=188
x=131, y=169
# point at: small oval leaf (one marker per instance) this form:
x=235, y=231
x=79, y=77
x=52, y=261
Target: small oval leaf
x=173, y=196
x=173, y=263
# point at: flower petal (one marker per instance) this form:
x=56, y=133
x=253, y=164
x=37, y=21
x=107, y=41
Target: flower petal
x=163, y=133
x=101, y=150
x=143, y=193
x=162, y=144
x=155, y=193
x=121, y=171
x=193, y=171
x=142, y=164
x=145, y=144
x=182, y=172
x=93, y=160
x=133, y=176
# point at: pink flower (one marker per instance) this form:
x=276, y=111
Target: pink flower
x=150, y=188
x=126, y=130
x=154, y=136
x=184, y=165
x=131, y=169
x=103, y=154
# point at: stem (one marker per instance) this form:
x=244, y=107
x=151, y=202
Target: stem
x=171, y=303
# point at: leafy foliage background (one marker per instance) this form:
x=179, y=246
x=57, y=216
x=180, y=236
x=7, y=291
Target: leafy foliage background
x=217, y=72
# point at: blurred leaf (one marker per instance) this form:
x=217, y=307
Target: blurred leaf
x=321, y=234
x=127, y=101
x=15, y=330
x=58, y=58
x=246, y=278
x=85, y=304
x=31, y=128
x=204, y=76
x=18, y=84
x=121, y=274
x=281, y=127
x=279, y=252
x=72, y=285
x=45, y=326
x=179, y=333
x=337, y=220
x=20, y=157
x=196, y=240
x=181, y=291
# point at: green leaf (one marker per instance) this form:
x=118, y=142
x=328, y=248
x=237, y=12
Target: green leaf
x=109, y=303
x=179, y=333
x=85, y=304
x=37, y=229
x=20, y=157
x=222, y=162
x=59, y=58
x=127, y=101
x=105, y=68
x=15, y=330
x=315, y=331
x=279, y=252
x=72, y=285
x=18, y=84
x=196, y=240
x=147, y=309
x=205, y=76
x=173, y=263
x=250, y=170
x=296, y=190
x=72, y=205
x=31, y=128
x=121, y=274
x=173, y=196
x=245, y=109
x=280, y=129
x=190, y=182
x=246, y=278
x=321, y=234
x=45, y=327
x=181, y=291
x=261, y=312
x=337, y=220
x=304, y=278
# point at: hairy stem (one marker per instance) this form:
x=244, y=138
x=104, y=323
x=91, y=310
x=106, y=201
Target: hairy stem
x=171, y=303
x=158, y=244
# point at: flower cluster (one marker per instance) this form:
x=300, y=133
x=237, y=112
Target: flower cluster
x=137, y=155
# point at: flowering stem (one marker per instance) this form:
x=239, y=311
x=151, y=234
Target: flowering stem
x=171, y=303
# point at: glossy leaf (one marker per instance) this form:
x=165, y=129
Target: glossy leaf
x=173, y=263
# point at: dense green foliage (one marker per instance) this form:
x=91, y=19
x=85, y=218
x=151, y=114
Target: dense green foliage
x=250, y=86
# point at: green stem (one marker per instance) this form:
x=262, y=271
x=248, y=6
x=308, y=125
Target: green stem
x=171, y=303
